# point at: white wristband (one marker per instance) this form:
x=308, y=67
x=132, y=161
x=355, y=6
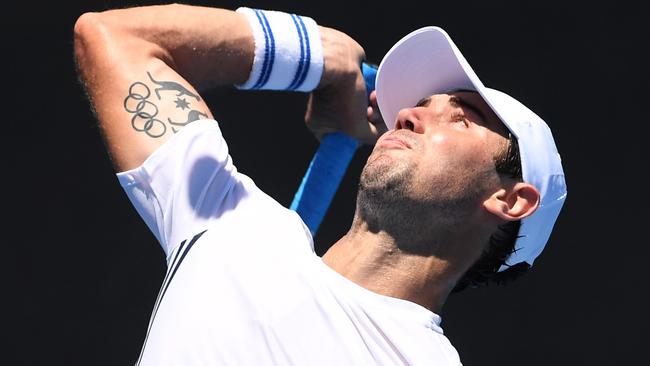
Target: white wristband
x=288, y=51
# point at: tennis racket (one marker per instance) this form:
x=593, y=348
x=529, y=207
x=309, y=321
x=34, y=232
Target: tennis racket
x=327, y=168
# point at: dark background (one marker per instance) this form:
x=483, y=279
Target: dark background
x=83, y=271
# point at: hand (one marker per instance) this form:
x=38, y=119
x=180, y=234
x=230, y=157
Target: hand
x=339, y=103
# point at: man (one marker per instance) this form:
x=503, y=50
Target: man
x=440, y=201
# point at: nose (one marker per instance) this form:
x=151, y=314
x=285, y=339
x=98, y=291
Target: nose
x=410, y=119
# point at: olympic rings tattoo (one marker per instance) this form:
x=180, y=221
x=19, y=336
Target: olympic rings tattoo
x=144, y=111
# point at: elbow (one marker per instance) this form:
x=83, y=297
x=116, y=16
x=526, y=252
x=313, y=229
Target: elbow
x=93, y=27
x=110, y=35
x=87, y=34
x=84, y=22
x=96, y=40
x=86, y=26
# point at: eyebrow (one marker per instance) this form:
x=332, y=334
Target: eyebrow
x=424, y=102
x=457, y=101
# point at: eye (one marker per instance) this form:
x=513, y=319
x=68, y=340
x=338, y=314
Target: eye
x=460, y=117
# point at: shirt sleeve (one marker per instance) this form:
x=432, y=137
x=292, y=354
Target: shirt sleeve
x=182, y=186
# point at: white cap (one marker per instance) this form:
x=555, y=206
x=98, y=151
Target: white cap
x=427, y=62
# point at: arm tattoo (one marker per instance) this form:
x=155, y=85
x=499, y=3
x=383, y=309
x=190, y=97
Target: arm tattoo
x=170, y=85
x=145, y=111
x=192, y=116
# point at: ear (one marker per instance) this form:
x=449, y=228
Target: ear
x=515, y=203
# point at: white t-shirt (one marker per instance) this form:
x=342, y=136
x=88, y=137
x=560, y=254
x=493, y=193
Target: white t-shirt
x=244, y=286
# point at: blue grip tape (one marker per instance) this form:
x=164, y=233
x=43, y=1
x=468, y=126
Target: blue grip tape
x=327, y=168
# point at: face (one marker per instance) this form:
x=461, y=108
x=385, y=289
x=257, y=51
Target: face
x=438, y=162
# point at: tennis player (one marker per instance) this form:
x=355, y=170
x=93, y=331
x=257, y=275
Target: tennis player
x=462, y=188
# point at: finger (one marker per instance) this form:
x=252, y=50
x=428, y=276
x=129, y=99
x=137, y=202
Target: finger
x=373, y=133
x=378, y=129
x=374, y=116
x=373, y=98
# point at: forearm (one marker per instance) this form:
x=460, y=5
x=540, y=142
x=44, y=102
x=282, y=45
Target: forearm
x=206, y=46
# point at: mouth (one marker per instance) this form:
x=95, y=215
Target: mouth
x=394, y=141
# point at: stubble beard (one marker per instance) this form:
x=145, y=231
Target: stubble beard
x=383, y=188
x=389, y=200
x=383, y=200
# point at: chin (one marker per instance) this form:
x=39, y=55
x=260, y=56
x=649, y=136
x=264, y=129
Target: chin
x=386, y=174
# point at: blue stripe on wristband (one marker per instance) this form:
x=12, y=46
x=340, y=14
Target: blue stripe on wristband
x=288, y=51
x=303, y=63
x=305, y=71
x=269, y=52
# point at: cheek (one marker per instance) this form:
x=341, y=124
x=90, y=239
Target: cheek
x=451, y=155
x=453, y=148
x=443, y=145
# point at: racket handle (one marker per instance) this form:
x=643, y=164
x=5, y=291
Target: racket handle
x=327, y=168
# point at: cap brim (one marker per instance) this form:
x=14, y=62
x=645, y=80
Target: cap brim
x=423, y=63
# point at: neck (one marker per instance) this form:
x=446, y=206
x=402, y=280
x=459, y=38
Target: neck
x=375, y=261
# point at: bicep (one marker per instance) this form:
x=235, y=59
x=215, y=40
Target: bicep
x=144, y=110
x=139, y=100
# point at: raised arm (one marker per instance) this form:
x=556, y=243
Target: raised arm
x=144, y=67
